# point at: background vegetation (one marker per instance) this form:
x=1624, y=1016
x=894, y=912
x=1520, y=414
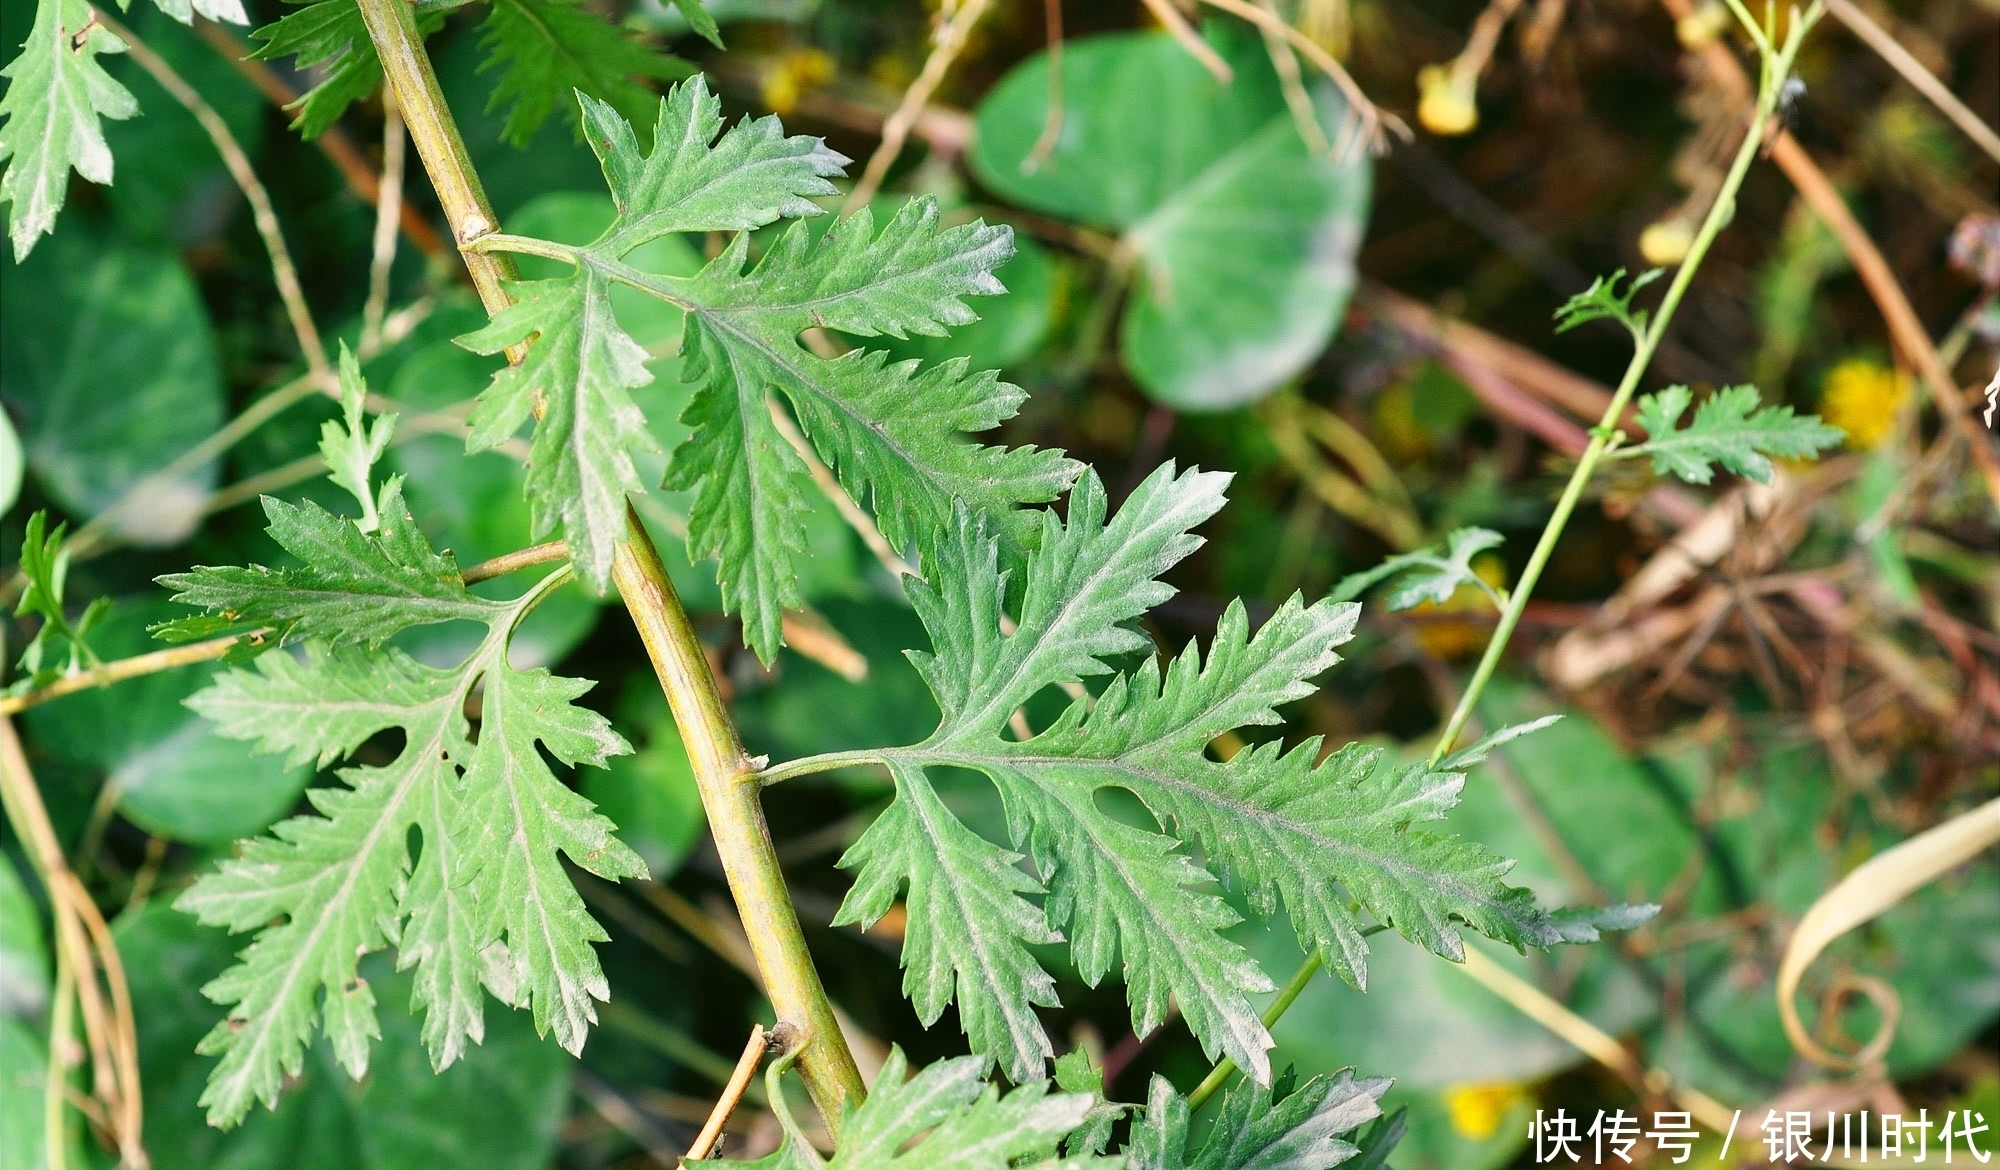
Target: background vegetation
x=1369, y=348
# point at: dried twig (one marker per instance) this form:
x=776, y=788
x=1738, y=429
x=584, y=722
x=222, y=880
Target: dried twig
x=1293, y=86
x=951, y=37
x=120, y=670
x=1177, y=26
x=283, y=271
x=732, y=1093
x=332, y=142
x=1912, y=70
x=388, y=210
x=1366, y=122
x=83, y=946
x=1052, y=122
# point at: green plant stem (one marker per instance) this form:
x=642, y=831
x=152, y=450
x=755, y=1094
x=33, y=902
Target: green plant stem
x=120, y=670
x=392, y=26
x=825, y=762
x=723, y=772
x=1602, y=436
x=1777, y=66
x=728, y=779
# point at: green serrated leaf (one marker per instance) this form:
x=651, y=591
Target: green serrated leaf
x=1433, y=574
x=328, y=37
x=57, y=92
x=1277, y=825
x=946, y=1115
x=1731, y=427
x=582, y=368
x=485, y=903
x=1603, y=300
x=894, y=432
x=60, y=646
x=351, y=586
x=1297, y=1131
x=545, y=49
x=350, y=446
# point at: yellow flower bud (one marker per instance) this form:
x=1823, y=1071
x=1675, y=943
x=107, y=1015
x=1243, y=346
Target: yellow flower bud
x=1446, y=105
x=1666, y=243
x=1699, y=28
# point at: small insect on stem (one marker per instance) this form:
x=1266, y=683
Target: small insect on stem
x=1786, y=113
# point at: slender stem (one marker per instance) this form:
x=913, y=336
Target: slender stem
x=120, y=670
x=283, y=271
x=1777, y=66
x=388, y=213
x=514, y=562
x=724, y=774
x=739, y=1081
x=1287, y=995
x=392, y=26
x=824, y=762
x=727, y=778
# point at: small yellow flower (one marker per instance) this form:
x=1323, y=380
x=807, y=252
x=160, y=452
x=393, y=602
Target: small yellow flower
x=1477, y=1110
x=796, y=71
x=1666, y=243
x=1447, y=104
x=1862, y=398
x=1700, y=27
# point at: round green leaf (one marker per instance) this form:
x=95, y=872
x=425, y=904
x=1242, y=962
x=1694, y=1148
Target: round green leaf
x=174, y=775
x=107, y=353
x=1243, y=240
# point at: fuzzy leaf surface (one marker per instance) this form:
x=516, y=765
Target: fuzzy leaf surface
x=893, y=432
x=1431, y=574
x=545, y=49
x=1297, y=1131
x=1275, y=824
x=946, y=1115
x=484, y=902
x=1732, y=427
x=57, y=94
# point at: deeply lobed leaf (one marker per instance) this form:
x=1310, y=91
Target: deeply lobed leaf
x=893, y=432
x=945, y=1115
x=1297, y=1131
x=485, y=903
x=1284, y=827
x=50, y=119
x=547, y=49
x=1731, y=427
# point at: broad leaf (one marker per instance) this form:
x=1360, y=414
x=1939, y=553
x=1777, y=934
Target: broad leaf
x=1244, y=240
x=1429, y=575
x=1281, y=826
x=485, y=901
x=56, y=93
x=107, y=353
x=1731, y=427
x=1298, y=1131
